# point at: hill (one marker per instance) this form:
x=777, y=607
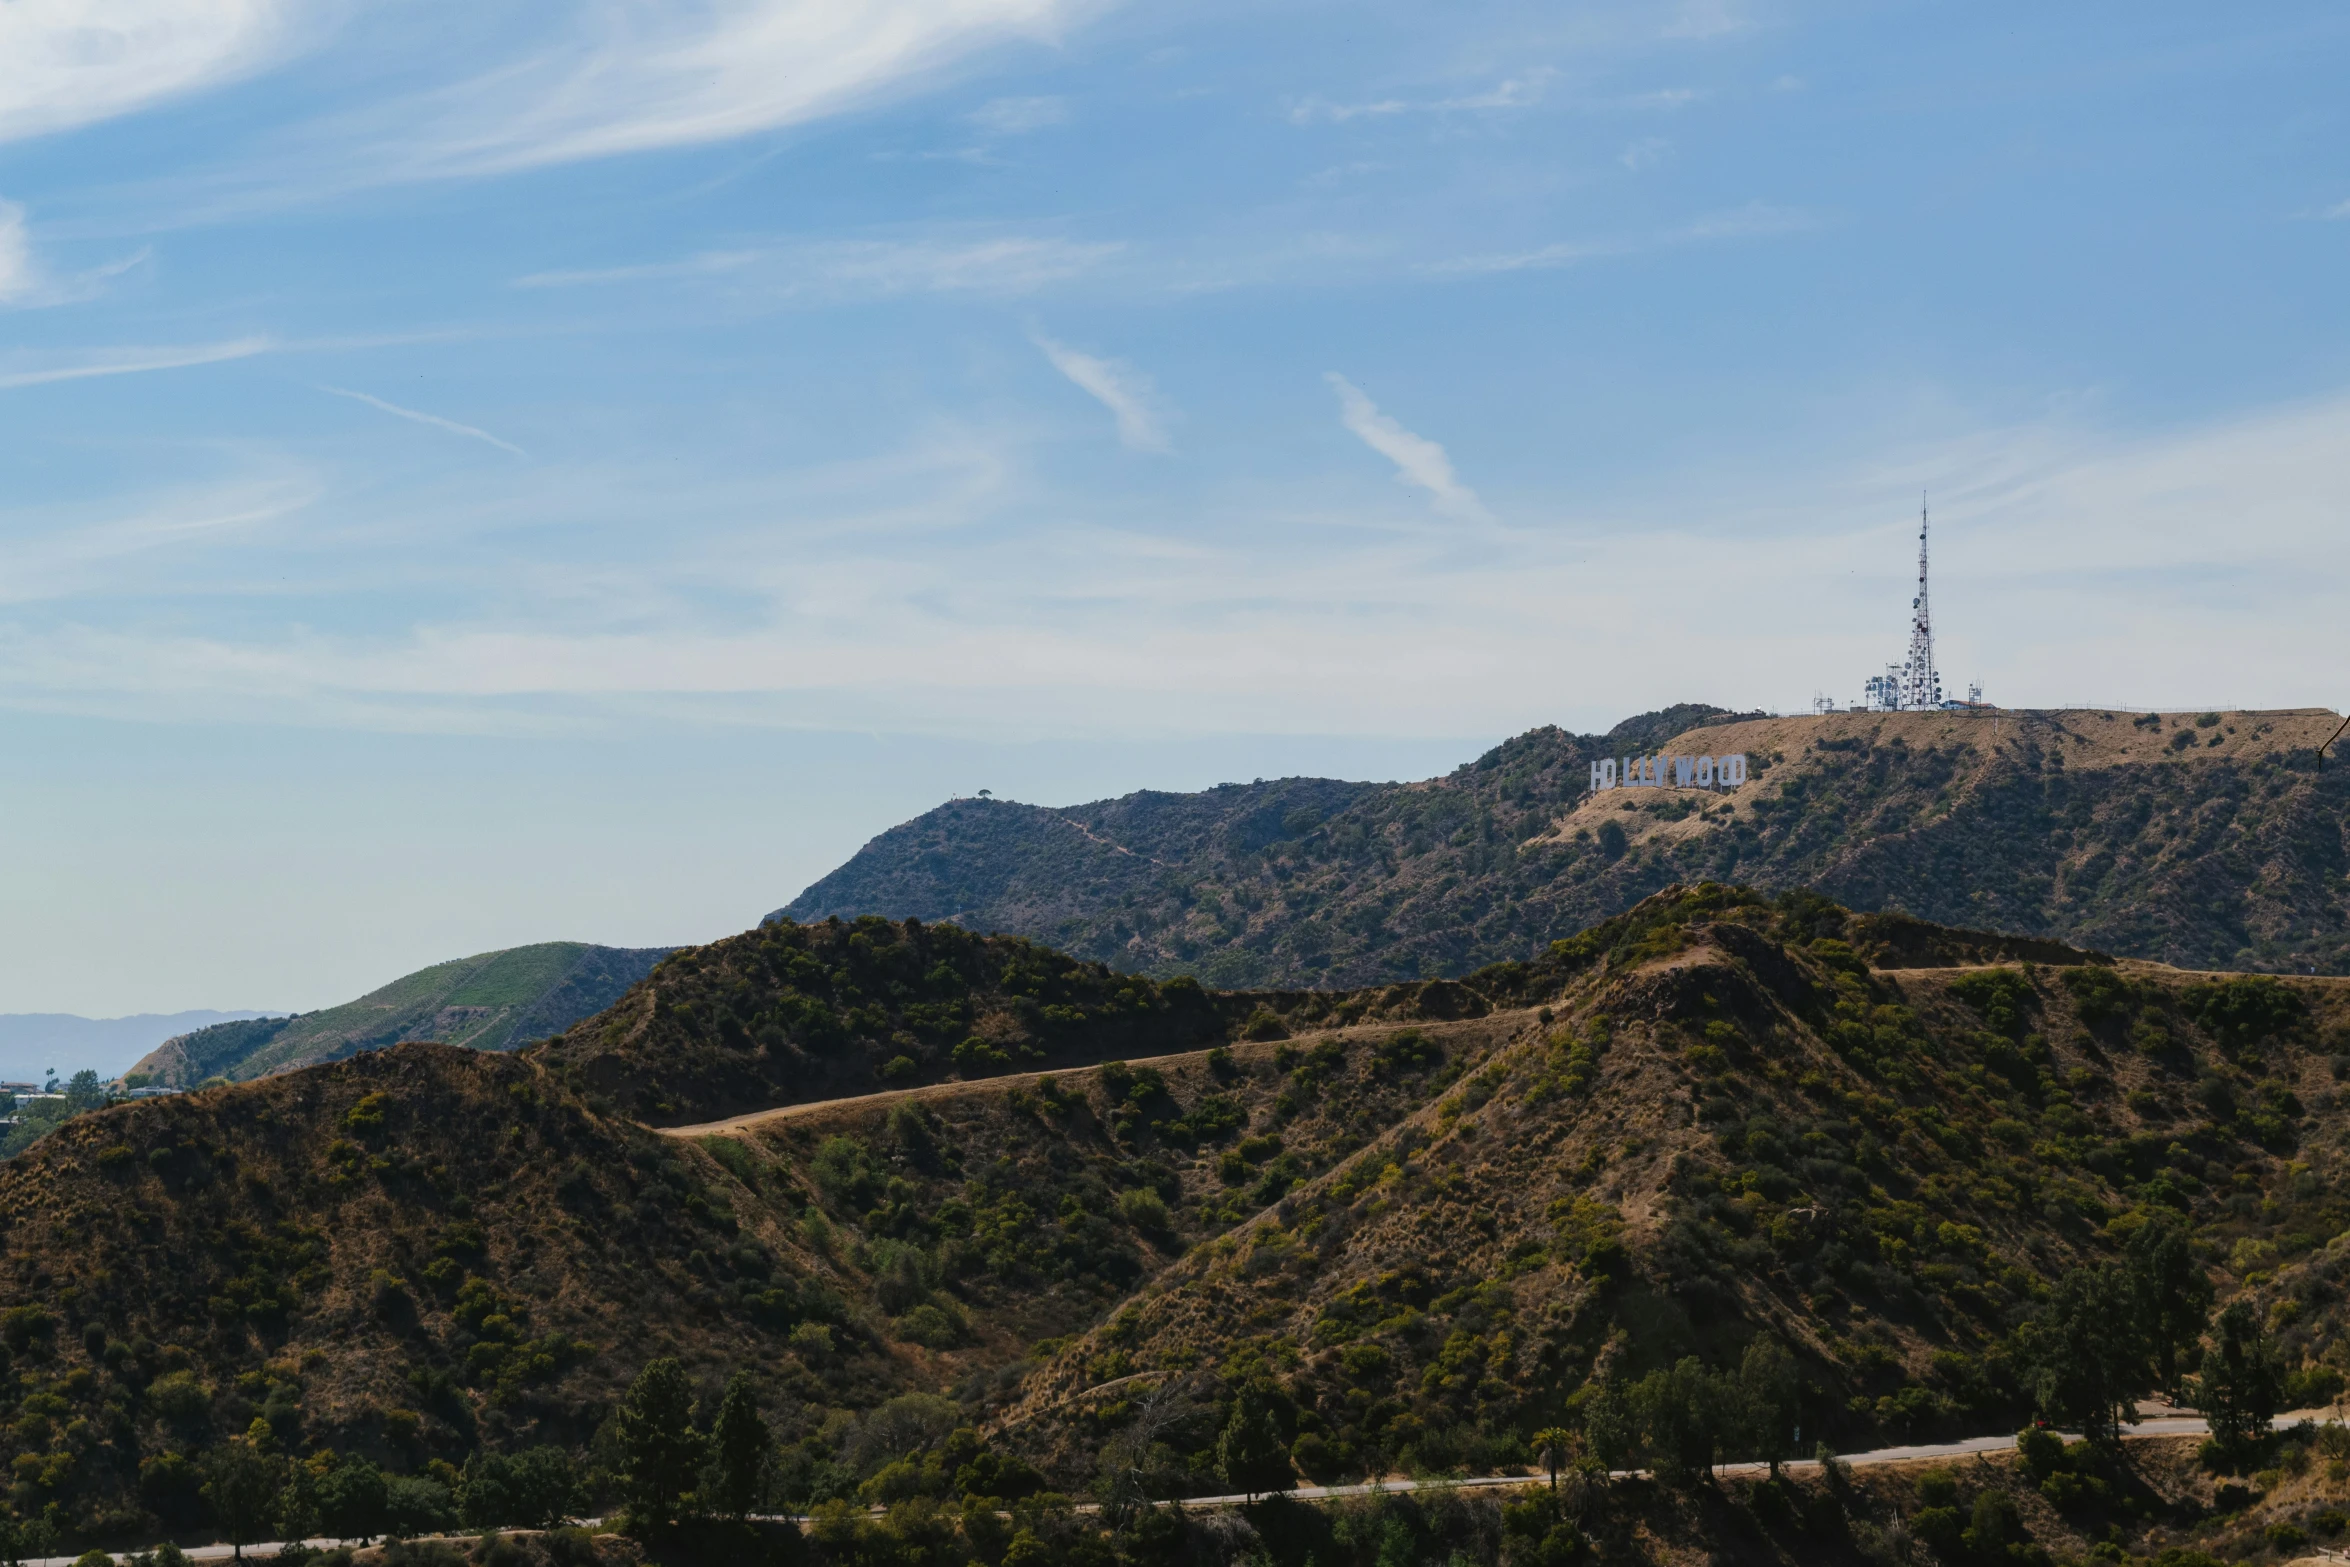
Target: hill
x=1404, y=1226
x=2203, y=840
x=492, y=1001
x=34, y=1045
x=1746, y=1120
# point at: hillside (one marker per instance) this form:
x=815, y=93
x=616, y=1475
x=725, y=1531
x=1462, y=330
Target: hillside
x=1730, y=1125
x=2203, y=840
x=420, y=1250
x=491, y=1001
x=34, y=1045
x=787, y=1013
x=1410, y=1230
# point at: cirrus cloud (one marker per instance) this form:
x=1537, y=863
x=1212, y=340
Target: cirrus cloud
x=1419, y=462
x=624, y=76
x=1125, y=391
x=65, y=63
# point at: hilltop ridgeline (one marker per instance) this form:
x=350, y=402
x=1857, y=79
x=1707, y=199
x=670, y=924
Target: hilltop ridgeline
x=2202, y=840
x=1410, y=1233
x=788, y=1013
x=491, y=1001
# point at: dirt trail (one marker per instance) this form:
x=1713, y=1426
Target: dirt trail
x=1244, y=1050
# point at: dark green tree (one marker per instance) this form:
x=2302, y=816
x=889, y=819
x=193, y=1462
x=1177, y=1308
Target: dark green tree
x=2242, y=1383
x=297, y=1505
x=2171, y=1295
x=546, y=1487
x=536, y=1488
x=25, y=1539
x=1681, y=1414
x=1609, y=1428
x=742, y=1442
x=351, y=1501
x=1252, y=1450
x=1997, y=1525
x=2084, y=1358
x=661, y=1454
x=1767, y=1393
x=242, y=1485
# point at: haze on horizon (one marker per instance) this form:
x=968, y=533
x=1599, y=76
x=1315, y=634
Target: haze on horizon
x=476, y=475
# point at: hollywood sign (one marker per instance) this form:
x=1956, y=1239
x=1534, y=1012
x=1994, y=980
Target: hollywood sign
x=1658, y=772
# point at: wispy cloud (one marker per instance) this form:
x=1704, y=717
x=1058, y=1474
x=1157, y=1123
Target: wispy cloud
x=1702, y=19
x=705, y=265
x=1645, y=153
x=999, y=264
x=1418, y=461
x=1752, y=221
x=1518, y=92
x=18, y=280
x=135, y=361
x=25, y=283
x=1019, y=116
x=1125, y=391
x=64, y=63
x=420, y=417
x=632, y=75
x=2337, y=212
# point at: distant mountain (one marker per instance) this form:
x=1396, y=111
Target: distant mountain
x=2205, y=840
x=32, y=1043
x=491, y=1001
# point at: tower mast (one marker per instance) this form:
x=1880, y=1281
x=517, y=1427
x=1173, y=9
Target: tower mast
x=1921, y=685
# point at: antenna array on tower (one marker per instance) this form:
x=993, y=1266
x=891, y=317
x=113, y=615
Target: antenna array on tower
x=1914, y=684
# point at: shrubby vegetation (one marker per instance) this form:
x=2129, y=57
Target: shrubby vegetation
x=2221, y=863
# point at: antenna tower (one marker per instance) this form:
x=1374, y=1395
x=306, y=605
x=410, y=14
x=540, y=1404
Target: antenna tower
x=1920, y=685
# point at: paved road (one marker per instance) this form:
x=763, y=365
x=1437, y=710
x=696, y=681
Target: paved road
x=2157, y=1426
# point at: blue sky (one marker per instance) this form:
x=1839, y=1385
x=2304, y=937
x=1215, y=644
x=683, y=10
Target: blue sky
x=482, y=473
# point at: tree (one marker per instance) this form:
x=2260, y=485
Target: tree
x=2242, y=1381
x=2172, y=1297
x=351, y=1502
x=1767, y=1393
x=1680, y=1415
x=546, y=1487
x=1555, y=1446
x=743, y=1442
x=2085, y=1359
x=25, y=1539
x=661, y=1453
x=1254, y=1456
x=243, y=1484
x=1608, y=1427
x=536, y=1488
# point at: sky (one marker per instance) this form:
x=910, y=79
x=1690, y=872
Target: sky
x=484, y=473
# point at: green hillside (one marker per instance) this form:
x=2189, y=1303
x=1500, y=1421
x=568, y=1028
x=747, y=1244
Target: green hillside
x=1428, y=1223
x=491, y=1001
x=2203, y=840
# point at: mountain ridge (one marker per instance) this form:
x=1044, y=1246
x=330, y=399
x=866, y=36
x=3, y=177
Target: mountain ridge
x=490, y=1001
x=2205, y=840
x=1408, y=1222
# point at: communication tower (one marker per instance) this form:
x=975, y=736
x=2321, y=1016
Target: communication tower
x=1914, y=684
x=1920, y=685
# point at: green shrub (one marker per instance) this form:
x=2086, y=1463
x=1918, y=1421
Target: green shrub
x=1146, y=1210
x=178, y=1395
x=1264, y=1023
